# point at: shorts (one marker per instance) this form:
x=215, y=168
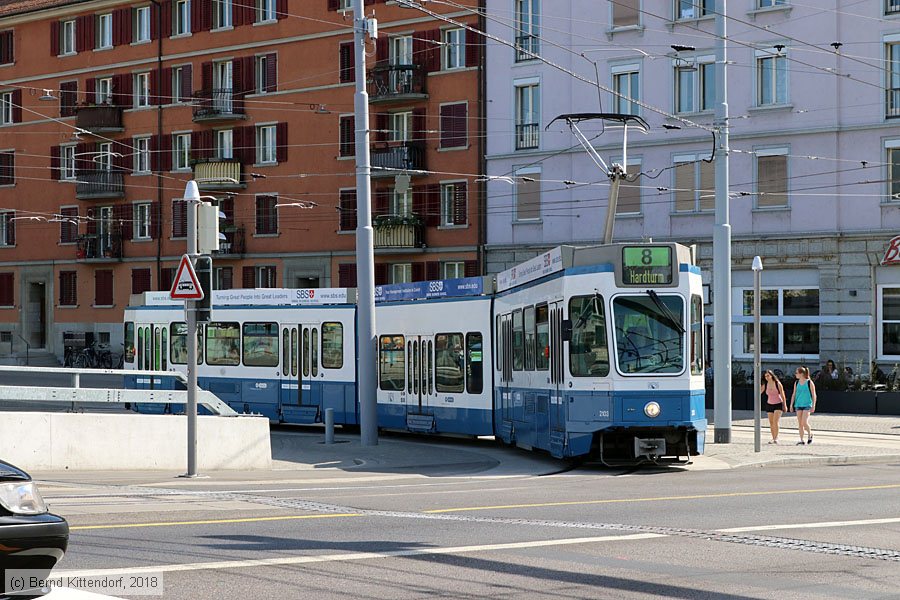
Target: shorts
x=774, y=407
x=799, y=408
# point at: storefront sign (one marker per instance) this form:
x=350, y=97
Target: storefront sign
x=892, y=254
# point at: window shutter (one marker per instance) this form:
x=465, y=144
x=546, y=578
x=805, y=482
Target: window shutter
x=432, y=270
x=208, y=143
x=433, y=205
x=419, y=126
x=382, y=200
x=7, y=281
x=237, y=77
x=206, y=76
x=125, y=161
x=121, y=33
x=471, y=268
x=165, y=19
x=474, y=48
x=281, y=9
x=419, y=200
x=227, y=278
x=347, y=62
x=83, y=159
x=281, y=141
x=187, y=87
x=271, y=72
x=347, y=275
x=381, y=274
x=418, y=271
x=68, y=98
x=347, y=146
x=432, y=59
x=92, y=221
x=460, y=204
x=155, y=220
x=179, y=219
x=239, y=14
x=348, y=210
x=121, y=85
x=85, y=30
x=10, y=231
x=164, y=150
x=90, y=90
x=164, y=87
x=196, y=16
x=166, y=277
x=54, y=162
x=8, y=46
x=103, y=288
x=249, y=277
x=54, y=38
x=195, y=144
x=154, y=154
x=122, y=216
x=381, y=127
x=17, y=105
x=454, y=125
x=140, y=281
x=333, y=4
x=421, y=49
x=382, y=52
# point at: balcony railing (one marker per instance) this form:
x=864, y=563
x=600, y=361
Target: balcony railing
x=397, y=231
x=892, y=103
x=891, y=7
x=99, y=246
x=99, y=185
x=528, y=135
x=402, y=157
x=527, y=47
x=396, y=82
x=99, y=118
x=218, y=174
x=233, y=242
x=218, y=104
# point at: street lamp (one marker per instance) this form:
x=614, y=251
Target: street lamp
x=757, y=360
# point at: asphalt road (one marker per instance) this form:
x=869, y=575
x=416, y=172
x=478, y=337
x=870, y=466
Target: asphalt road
x=584, y=533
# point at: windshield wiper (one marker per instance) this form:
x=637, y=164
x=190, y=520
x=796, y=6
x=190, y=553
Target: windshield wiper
x=666, y=312
x=583, y=317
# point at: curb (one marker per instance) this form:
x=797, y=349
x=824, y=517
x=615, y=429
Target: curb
x=818, y=460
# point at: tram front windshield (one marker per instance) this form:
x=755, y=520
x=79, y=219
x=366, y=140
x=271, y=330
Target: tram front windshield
x=649, y=333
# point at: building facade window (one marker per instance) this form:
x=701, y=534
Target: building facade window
x=528, y=194
x=68, y=288
x=795, y=336
x=528, y=115
x=225, y=143
x=454, y=125
x=454, y=48
x=265, y=144
x=104, y=31
x=347, y=142
x=401, y=273
x=103, y=159
x=181, y=151
x=771, y=80
x=401, y=203
x=695, y=87
x=629, y=202
x=67, y=37
x=448, y=194
x=141, y=90
x=454, y=204
x=223, y=278
x=772, y=178
x=181, y=13
x=7, y=167
x=265, y=11
x=401, y=50
x=221, y=14
x=181, y=84
x=528, y=29
x=141, y=146
x=774, y=3
x=141, y=221
x=892, y=76
x=693, y=9
x=265, y=276
x=694, y=183
x=626, y=83
x=889, y=321
x=401, y=126
x=6, y=108
x=104, y=91
x=68, y=224
x=266, y=215
x=626, y=13
x=67, y=162
x=453, y=270
x=141, y=24
x=7, y=228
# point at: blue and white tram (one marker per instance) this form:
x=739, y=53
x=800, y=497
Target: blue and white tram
x=285, y=354
x=599, y=351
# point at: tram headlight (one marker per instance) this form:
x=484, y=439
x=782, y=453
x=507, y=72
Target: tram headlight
x=652, y=410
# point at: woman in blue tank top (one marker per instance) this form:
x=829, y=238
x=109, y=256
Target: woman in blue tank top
x=803, y=400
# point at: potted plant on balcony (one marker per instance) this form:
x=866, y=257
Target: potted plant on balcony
x=397, y=220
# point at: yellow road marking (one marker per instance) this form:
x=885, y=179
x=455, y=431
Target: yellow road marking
x=663, y=498
x=212, y=521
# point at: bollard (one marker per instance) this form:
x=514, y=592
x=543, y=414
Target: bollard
x=329, y=425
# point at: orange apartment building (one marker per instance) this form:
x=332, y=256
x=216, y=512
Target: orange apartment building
x=107, y=108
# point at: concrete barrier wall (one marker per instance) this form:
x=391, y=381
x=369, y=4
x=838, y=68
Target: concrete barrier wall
x=83, y=441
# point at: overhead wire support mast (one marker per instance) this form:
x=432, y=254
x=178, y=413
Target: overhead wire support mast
x=616, y=172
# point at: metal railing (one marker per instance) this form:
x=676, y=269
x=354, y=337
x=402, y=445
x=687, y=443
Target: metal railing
x=397, y=235
x=99, y=246
x=27, y=348
x=99, y=117
x=233, y=242
x=528, y=135
x=402, y=157
x=218, y=103
x=217, y=173
x=527, y=47
x=99, y=184
x=891, y=7
x=396, y=81
x=892, y=103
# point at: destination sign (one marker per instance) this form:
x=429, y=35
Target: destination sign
x=647, y=265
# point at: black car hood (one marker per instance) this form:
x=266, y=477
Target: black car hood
x=11, y=473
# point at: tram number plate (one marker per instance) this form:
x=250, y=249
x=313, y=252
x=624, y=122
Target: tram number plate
x=647, y=265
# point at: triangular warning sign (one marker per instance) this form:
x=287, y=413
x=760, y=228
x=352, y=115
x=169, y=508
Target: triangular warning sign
x=186, y=286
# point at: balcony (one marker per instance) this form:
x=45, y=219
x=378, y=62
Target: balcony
x=99, y=118
x=99, y=185
x=892, y=103
x=396, y=83
x=99, y=247
x=233, y=244
x=218, y=174
x=399, y=231
x=218, y=105
x=891, y=7
x=527, y=47
x=403, y=156
x=528, y=136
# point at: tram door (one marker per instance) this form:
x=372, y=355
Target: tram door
x=300, y=371
x=557, y=369
x=420, y=374
x=150, y=352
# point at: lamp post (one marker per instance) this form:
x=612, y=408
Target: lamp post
x=757, y=361
x=192, y=198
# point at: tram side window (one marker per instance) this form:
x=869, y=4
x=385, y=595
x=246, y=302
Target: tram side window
x=474, y=363
x=497, y=341
x=518, y=341
x=148, y=334
x=223, y=344
x=315, y=352
x=332, y=345
x=178, y=344
x=588, y=352
x=529, y=338
x=140, y=346
x=696, y=335
x=260, y=344
x=449, y=362
x=162, y=348
x=392, y=363
x=129, y=342
x=542, y=337
x=285, y=351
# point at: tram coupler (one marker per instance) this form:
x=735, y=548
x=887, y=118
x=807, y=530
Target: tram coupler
x=652, y=448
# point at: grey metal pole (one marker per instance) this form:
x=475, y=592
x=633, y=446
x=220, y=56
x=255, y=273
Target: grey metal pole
x=757, y=361
x=365, y=252
x=329, y=425
x=722, y=245
x=192, y=197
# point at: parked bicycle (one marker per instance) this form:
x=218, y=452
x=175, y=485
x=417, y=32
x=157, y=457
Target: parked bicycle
x=94, y=357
